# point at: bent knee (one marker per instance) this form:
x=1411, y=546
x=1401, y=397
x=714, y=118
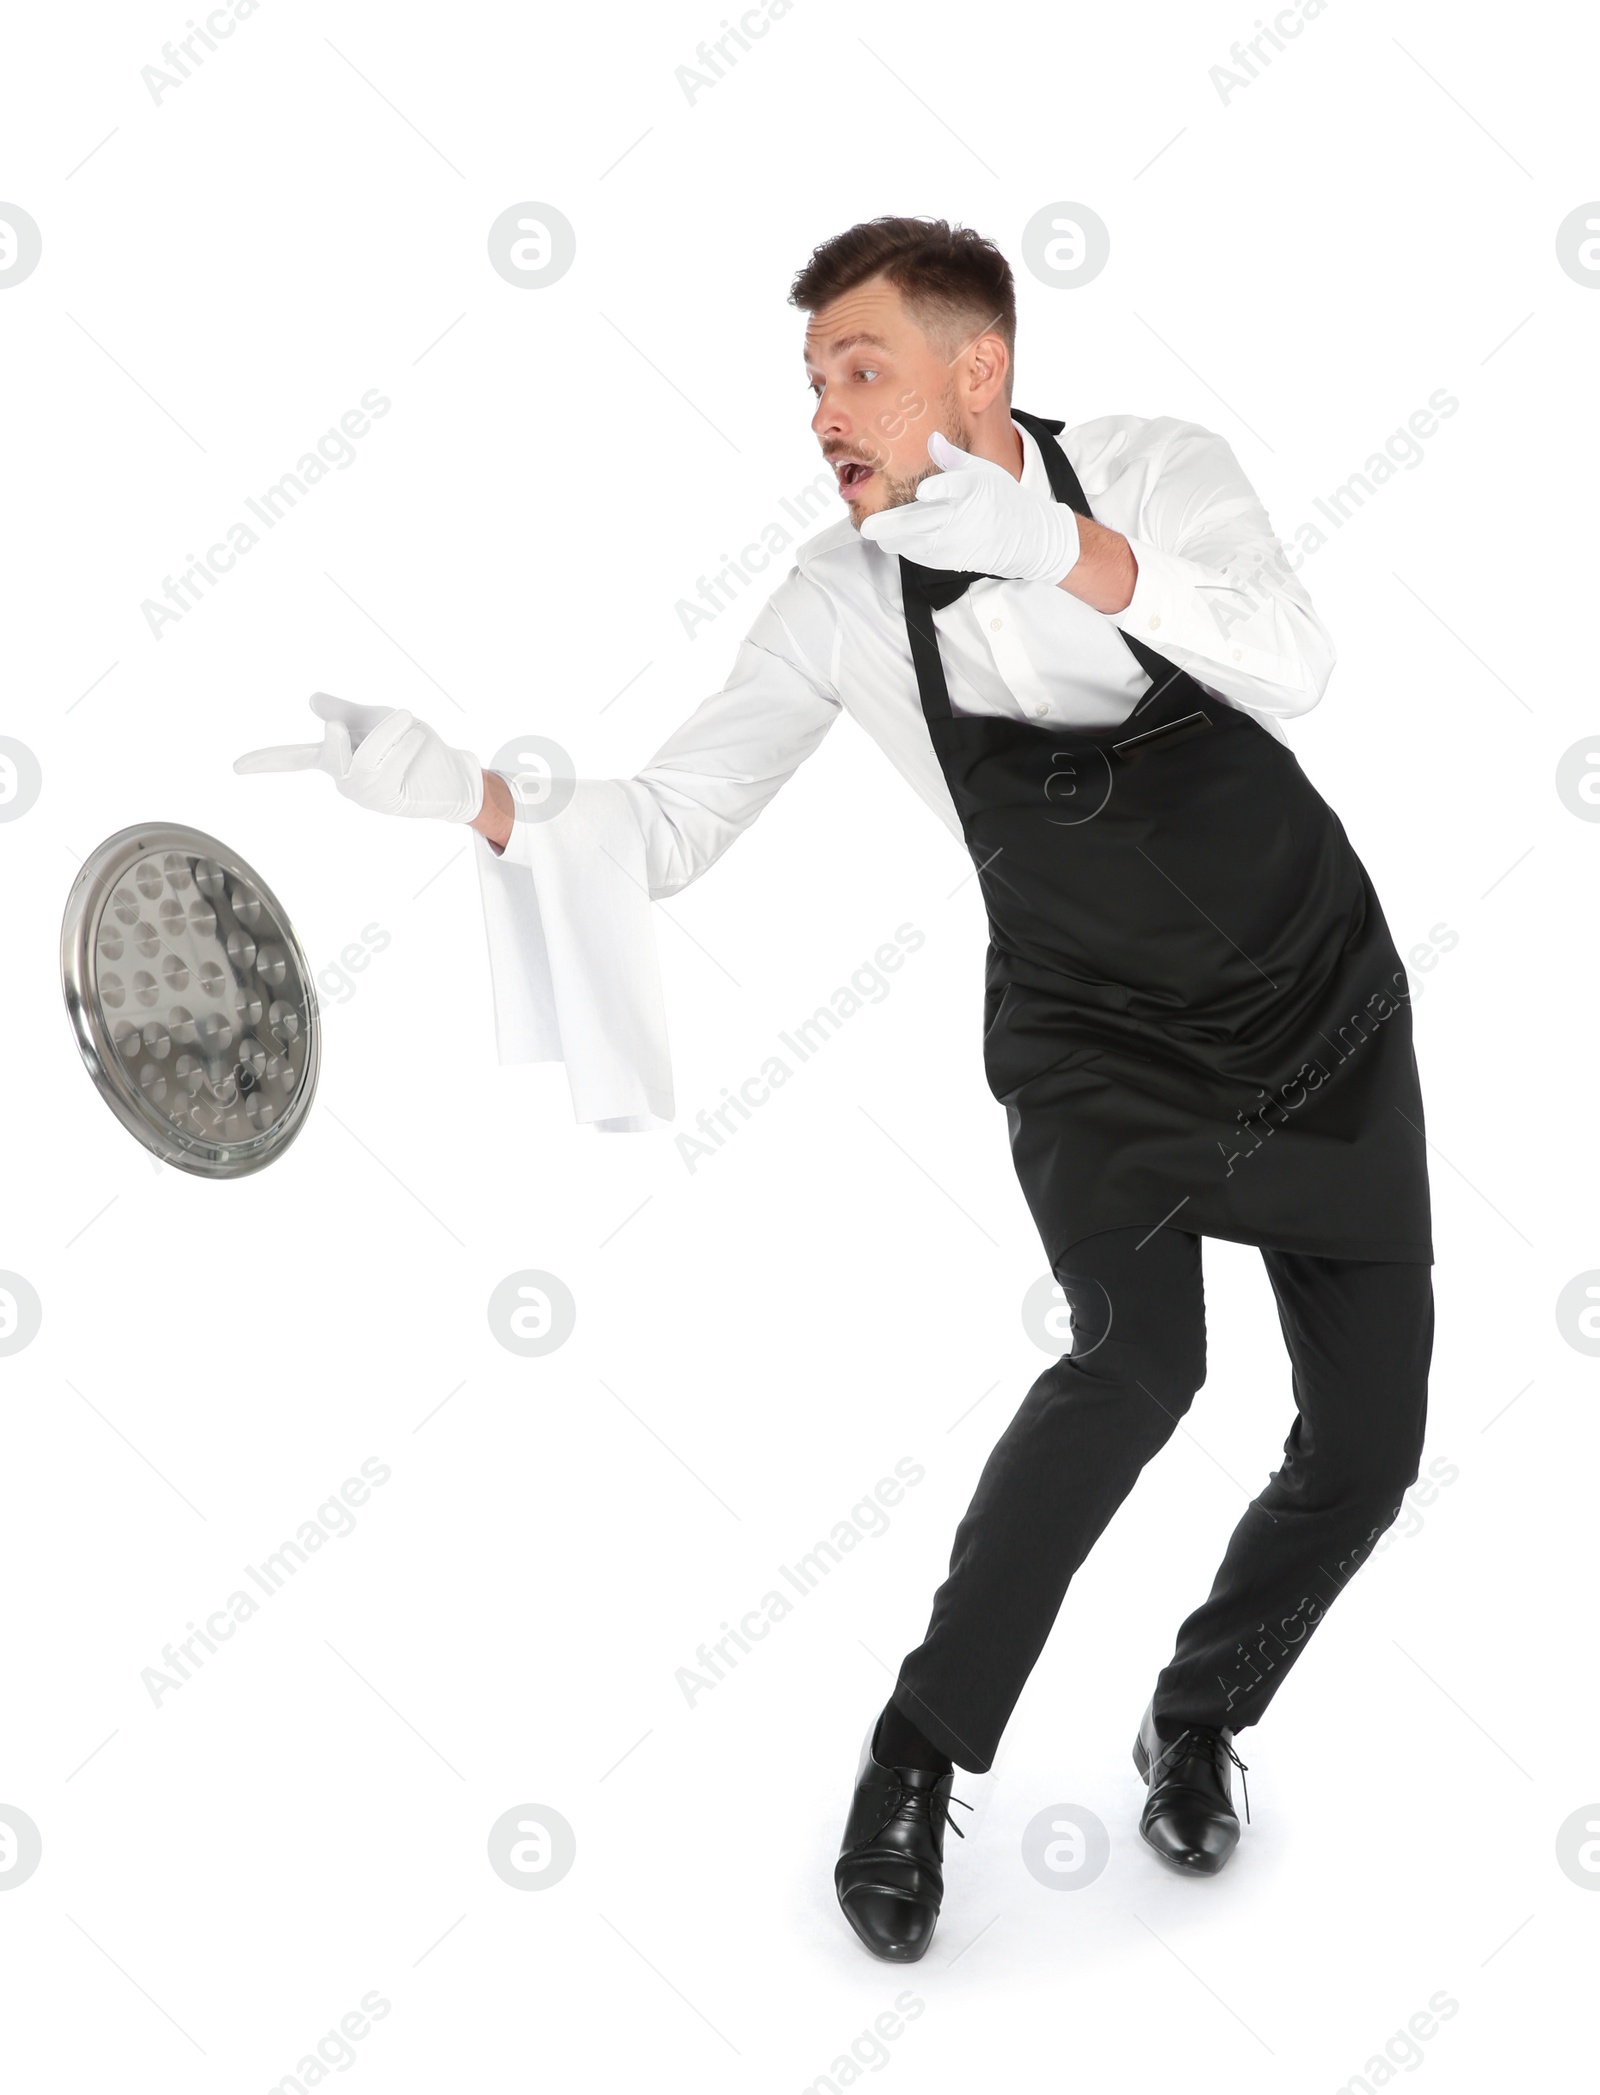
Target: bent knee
x=1163, y=1379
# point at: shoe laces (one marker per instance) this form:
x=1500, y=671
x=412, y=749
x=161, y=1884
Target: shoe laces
x=1201, y=1739
x=909, y=1799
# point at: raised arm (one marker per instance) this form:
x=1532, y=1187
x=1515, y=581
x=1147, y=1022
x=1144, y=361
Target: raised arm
x=1214, y=591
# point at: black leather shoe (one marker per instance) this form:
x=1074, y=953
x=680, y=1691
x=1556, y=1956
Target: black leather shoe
x=890, y=1872
x=1188, y=1817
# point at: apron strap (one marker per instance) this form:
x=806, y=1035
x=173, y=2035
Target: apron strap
x=932, y=687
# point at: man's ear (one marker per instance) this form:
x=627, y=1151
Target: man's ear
x=988, y=371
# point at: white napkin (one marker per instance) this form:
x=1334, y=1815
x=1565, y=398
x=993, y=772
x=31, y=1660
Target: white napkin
x=572, y=957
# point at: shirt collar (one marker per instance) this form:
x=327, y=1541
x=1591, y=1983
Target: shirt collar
x=1034, y=477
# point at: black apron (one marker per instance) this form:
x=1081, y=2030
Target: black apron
x=1194, y=1011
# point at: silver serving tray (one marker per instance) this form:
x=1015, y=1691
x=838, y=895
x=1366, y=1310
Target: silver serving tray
x=190, y=999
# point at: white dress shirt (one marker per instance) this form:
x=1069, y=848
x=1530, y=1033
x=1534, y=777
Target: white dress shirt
x=571, y=941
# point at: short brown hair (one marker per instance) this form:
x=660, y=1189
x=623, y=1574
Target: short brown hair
x=956, y=283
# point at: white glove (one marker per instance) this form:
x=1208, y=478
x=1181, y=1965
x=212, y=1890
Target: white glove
x=972, y=516
x=383, y=759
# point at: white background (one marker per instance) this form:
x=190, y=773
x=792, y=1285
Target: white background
x=226, y=1875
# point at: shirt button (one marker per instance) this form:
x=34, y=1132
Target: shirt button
x=1039, y=712
x=1236, y=655
x=1155, y=622
x=995, y=624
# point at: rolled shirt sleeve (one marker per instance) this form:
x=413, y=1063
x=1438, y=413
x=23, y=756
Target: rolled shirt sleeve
x=1215, y=593
x=572, y=953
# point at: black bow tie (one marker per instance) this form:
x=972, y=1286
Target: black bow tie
x=937, y=586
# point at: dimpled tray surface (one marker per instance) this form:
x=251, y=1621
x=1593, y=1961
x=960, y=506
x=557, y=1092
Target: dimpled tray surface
x=190, y=999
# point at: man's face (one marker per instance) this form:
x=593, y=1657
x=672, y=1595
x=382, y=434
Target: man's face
x=881, y=387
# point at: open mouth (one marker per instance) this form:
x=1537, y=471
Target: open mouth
x=853, y=475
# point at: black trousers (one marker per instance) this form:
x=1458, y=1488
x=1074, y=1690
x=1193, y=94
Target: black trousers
x=1360, y=1339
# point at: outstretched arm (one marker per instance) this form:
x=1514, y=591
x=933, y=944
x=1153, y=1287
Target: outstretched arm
x=714, y=773
x=566, y=899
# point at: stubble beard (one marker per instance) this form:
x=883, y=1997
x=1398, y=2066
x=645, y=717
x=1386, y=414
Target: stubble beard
x=899, y=490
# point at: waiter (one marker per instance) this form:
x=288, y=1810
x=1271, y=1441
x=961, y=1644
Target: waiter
x=1076, y=644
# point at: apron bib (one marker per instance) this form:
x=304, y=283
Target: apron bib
x=1194, y=1011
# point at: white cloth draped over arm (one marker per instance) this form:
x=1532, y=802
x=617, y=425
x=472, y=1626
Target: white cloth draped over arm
x=572, y=952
